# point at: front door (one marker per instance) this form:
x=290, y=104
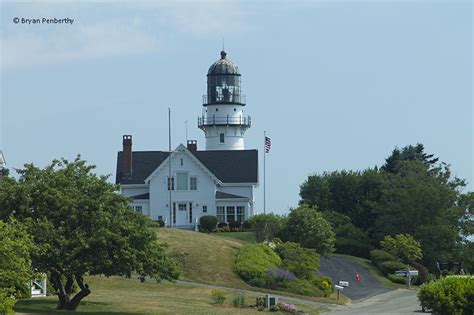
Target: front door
x=182, y=214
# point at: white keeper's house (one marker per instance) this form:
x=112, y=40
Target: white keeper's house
x=216, y=181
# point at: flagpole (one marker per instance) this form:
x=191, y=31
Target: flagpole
x=264, y=171
x=170, y=181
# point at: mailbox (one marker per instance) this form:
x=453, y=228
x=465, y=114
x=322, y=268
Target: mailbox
x=344, y=283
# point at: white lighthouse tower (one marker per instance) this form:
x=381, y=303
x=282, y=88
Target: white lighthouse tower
x=223, y=120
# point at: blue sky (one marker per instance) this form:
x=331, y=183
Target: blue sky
x=336, y=84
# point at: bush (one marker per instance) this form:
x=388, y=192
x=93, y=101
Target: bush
x=208, y=223
x=222, y=224
x=302, y=262
x=397, y=279
x=378, y=256
x=353, y=247
x=266, y=226
x=218, y=297
x=303, y=287
x=7, y=301
x=324, y=284
x=235, y=225
x=274, y=308
x=157, y=223
x=423, y=272
x=309, y=228
x=239, y=301
x=390, y=266
x=450, y=295
x=223, y=229
x=254, y=261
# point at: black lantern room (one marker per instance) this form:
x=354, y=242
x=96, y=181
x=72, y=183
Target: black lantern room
x=223, y=83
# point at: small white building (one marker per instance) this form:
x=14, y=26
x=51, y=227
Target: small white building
x=179, y=187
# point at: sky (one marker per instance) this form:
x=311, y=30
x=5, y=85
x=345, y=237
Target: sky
x=335, y=84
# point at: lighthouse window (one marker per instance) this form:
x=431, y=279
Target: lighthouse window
x=235, y=110
x=221, y=138
x=217, y=109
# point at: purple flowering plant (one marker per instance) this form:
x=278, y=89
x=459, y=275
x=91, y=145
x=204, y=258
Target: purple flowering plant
x=280, y=274
x=286, y=307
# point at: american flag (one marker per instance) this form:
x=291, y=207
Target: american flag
x=268, y=144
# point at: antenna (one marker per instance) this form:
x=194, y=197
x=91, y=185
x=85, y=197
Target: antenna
x=223, y=44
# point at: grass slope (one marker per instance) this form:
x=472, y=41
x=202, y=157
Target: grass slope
x=204, y=258
x=210, y=258
x=248, y=237
x=118, y=296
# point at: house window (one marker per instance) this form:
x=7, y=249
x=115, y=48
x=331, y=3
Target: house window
x=170, y=183
x=181, y=162
x=193, y=183
x=160, y=217
x=241, y=213
x=182, y=181
x=139, y=209
x=221, y=138
x=220, y=214
x=174, y=212
x=190, y=212
x=181, y=206
x=204, y=209
x=230, y=214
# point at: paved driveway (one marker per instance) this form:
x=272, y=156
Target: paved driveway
x=396, y=302
x=344, y=269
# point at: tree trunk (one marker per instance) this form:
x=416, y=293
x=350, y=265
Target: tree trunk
x=64, y=291
x=80, y=295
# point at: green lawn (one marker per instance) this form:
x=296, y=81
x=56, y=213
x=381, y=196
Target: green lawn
x=248, y=237
x=117, y=296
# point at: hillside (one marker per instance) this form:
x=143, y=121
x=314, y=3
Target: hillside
x=203, y=257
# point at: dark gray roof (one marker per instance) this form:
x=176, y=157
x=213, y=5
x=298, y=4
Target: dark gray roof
x=223, y=195
x=141, y=197
x=143, y=164
x=230, y=166
x=223, y=66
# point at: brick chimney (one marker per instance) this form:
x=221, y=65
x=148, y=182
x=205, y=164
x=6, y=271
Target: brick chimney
x=127, y=156
x=192, y=145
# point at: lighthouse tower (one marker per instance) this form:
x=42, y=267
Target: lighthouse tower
x=223, y=120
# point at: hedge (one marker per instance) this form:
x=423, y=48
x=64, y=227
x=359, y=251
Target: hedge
x=378, y=256
x=391, y=266
x=254, y=262
x=450, y=295
x=208, y=223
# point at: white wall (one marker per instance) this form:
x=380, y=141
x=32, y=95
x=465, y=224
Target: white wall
x=204, y=195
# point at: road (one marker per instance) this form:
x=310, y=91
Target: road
x=343, y=269
x=396, y=302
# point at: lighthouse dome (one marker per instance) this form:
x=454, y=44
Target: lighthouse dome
x=223, y=66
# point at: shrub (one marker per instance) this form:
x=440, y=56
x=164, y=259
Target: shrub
x=218, y=297
x=403, y=246
x=303, y=287
x=7, y=301
x=286, y=307
x=302, y=262
x=157, y=223
x=260, y=301
x=246, y=225
x=274, y=308
x=309, y=228
x=353, y=247
x=378, y=256
x=423, y=272
x=254, y=261
x=208, y=223
x=239, y=301
x=390, y=266
x=223, y=229
x=266, y=226
x=450, y=295
x=280, y=275
x=235, y=225
x=397, y=279
x=222, y=224
x=324, y=284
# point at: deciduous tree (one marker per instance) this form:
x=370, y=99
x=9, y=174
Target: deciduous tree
x=84, y=227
